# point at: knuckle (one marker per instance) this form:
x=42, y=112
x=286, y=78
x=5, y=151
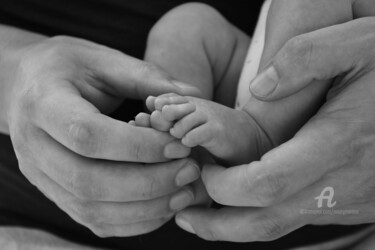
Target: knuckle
x=149, y=70
x=31, y=97
x=272, y=190
x=150, y=188
x=299, y=50
x=45, y=55
x=270, y=228
x=218, y=127
x=82, y=138
x=137, y=150
x=54, y=49
x=268, y=188
x=59, y=46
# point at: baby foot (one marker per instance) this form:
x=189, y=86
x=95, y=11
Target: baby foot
x=230, y=135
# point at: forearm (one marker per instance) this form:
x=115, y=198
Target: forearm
x=13, y=44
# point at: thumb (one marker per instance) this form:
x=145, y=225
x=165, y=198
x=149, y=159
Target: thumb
x=345, y=49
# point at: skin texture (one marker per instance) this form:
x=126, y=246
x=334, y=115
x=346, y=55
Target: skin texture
x=334, y=149
x=113, y=178
x=228, y=134
x=187, y=51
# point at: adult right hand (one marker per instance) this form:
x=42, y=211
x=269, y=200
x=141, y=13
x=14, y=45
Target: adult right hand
x=79, y=157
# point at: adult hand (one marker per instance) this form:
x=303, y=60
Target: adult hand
x=79, y=157
x=328, y=165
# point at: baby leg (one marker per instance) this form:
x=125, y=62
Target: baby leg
x=282, y=119
x=196, y=45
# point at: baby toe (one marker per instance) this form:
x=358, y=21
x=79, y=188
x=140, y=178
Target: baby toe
x=199, y=136
x=176, y=112
x=161, y=101
x=142, y=120
x=150, y=103
x=186, y=124
x=158, y=122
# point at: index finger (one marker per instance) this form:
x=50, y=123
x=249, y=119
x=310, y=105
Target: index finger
x=79, y=126
x=129, y=77
x=101, y=180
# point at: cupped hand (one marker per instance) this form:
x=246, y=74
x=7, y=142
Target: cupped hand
x=90, y=165
x=325, y=173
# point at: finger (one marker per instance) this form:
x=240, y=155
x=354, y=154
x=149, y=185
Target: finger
x=303, y=160
x=111, y=181
x=129, y=230
x=239, y=224
x=112, y=213
x=129, y=77
x=78, y=125
x=265, y=224
x=319, y=55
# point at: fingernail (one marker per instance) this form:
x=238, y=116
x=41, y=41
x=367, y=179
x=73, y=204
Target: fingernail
x=181, y=200
x=182, y=222
x=264, y=84
x=189, y=173
x=176, y=150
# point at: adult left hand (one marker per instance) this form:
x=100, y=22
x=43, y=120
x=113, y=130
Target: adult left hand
x=327, y=165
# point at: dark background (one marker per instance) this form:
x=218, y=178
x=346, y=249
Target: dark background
x=123, y=25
